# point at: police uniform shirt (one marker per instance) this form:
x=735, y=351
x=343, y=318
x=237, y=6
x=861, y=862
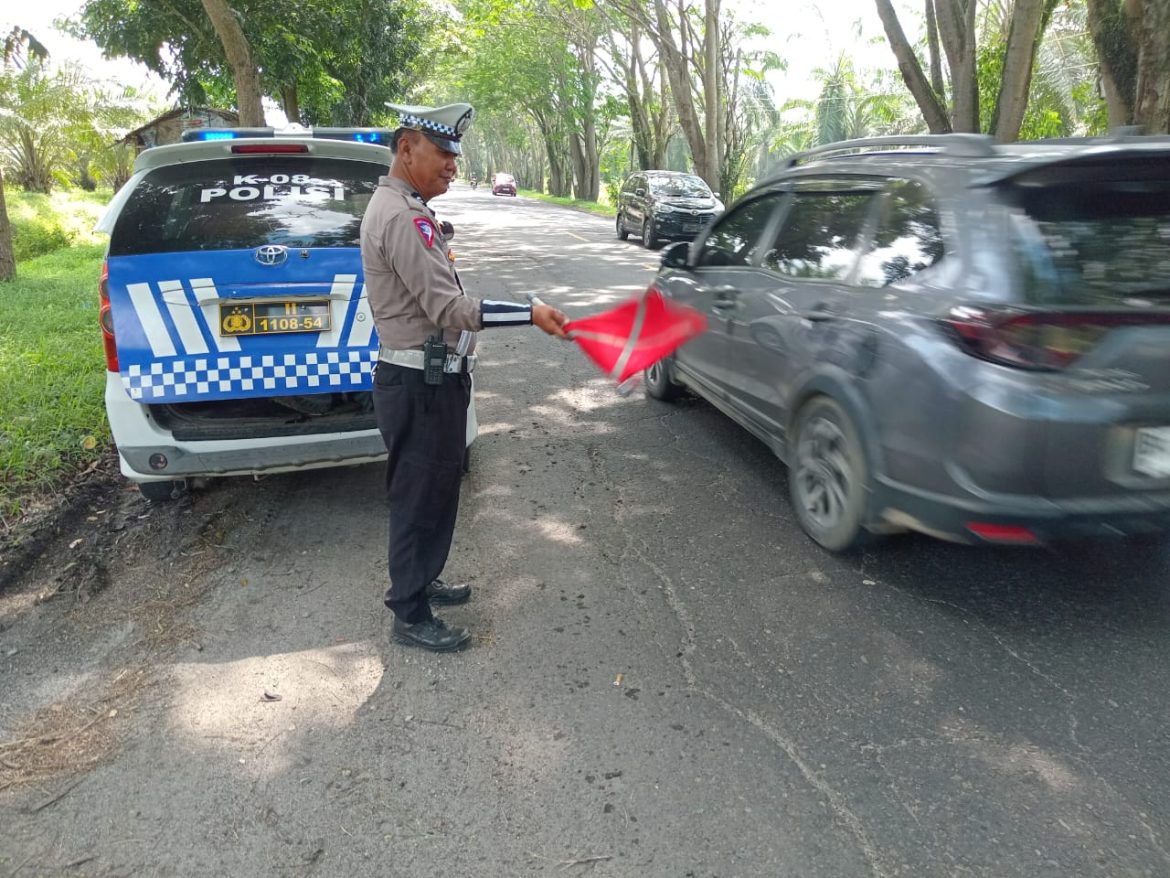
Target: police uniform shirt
x=411, y=285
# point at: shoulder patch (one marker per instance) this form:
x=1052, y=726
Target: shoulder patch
x=427, y=229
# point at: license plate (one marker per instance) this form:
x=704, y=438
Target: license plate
x=690, y=227
x=1151, y=452
x=268, y=318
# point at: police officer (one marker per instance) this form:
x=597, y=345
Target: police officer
x=422, y=383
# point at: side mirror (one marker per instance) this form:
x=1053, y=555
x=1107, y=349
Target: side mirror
x=716, y=194
x=639, y=192
x=675, y=256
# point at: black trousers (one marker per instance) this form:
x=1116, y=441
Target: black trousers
x=424, y=427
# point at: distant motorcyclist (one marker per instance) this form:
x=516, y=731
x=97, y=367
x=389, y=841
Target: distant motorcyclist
x=474, y=181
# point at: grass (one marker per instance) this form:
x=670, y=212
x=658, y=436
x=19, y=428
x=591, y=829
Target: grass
x=590, y=206
x=52, y=414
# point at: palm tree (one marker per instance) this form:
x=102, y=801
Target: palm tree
x=845, y=109
x=19, y=46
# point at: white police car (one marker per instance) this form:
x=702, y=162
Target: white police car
x=238, y=336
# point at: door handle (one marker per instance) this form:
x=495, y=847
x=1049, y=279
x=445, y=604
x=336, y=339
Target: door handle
x=724, y=298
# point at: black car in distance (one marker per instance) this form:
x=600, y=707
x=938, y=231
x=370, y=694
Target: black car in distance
x=661, y=206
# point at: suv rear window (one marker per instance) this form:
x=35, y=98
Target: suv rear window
x=1095, y=241
x=231, y=204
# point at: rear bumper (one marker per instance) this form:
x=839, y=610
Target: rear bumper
x=139, y=438
x=1009, y=518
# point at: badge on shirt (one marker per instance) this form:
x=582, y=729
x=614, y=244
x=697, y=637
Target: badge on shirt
x=426, y=229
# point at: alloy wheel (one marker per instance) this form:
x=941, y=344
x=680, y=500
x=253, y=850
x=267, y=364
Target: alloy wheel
x=825, y=479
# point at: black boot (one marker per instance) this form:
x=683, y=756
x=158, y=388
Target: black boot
x=439, y=592
x=432, y=634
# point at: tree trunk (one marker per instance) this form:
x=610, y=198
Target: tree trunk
x=712, y=93
x=956, y=25
x=928, y=102
x=589, y=184
x=1027, y=25
x=1130, y=39
x=239, y=58
x=1152, y=89
x=674, y=60
x=290, y=102
x=936, y=77
x=554, y=150
x=580, y=173
x=1117, y=53
x=640, y=124
x=7, y=256
x=664, y=128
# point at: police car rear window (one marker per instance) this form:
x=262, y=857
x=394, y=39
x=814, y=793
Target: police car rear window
x=240, y=203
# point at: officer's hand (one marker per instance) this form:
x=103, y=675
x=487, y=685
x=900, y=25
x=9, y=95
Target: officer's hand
x=550, y=319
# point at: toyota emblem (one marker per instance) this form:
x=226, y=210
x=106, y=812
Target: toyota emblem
x=271, y=254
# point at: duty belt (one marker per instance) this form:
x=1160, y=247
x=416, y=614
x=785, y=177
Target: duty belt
x=413, y=359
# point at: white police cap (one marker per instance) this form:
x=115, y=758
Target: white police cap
x=444, y=126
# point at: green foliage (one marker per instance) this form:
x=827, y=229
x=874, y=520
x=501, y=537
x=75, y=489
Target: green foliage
x=46, y=223
x=847, y=107
x=341, y=60
x=594, y=207
x=1062, y=95
x=37, y=239
x=52, y=416
x=989, y=61
x=62, y=126
x=612, y=189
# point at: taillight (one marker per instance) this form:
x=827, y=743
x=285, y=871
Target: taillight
x=1036, y=339
x=106, y=319
x=269, y=149
x=1003, y=533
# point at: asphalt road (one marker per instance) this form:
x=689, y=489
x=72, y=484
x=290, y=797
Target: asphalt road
x=667, y=678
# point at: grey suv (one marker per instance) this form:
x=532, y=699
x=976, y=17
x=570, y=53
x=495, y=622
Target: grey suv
x=661, y=206
x=947, y=335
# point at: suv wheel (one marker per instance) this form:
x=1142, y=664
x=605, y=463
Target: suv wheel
x=621, y=228
x=827, y=476
x=660, y=383
x=648, y=237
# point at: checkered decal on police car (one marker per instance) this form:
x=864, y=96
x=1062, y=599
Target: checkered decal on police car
x=195, y=377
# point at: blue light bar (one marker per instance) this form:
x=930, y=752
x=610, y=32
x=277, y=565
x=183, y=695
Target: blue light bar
x=225, y=133
x=361, y=135
x=380, y=136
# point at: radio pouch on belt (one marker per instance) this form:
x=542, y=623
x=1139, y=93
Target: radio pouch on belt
x=434, y=359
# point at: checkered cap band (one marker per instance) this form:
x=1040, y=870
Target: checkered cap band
x=223, y=377
x=418, y=122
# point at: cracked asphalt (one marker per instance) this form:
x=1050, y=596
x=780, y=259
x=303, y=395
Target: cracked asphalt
x=667, y=678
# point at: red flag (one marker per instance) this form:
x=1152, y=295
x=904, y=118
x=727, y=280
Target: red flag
x=636, y=334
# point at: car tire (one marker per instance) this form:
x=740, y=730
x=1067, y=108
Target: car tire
x=828, y=479
x=162, y=492
x=621, y=229
x=659, y=380
x=649, y=241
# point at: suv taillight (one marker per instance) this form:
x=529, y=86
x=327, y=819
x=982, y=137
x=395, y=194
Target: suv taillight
x=106, y=319
x=1036, y=339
